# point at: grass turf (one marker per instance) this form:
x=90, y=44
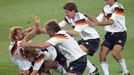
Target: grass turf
x=21, y=12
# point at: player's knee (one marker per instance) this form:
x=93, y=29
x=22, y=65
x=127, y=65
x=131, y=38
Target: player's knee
x=102, y=56
x=24, y=72
x=114, y=54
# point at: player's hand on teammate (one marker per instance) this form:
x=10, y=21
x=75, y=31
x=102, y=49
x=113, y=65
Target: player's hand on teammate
x=91, y=23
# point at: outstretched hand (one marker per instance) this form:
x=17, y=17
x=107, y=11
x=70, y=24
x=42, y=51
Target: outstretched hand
x=37, y=21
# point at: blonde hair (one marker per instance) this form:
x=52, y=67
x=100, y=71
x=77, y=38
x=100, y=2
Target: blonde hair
x=13, y=32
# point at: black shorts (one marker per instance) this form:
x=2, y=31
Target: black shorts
x=112, y=39
x=60, y=57
x=78, y=66
x=92, y=45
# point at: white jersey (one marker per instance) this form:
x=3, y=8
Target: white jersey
x=68, y=46
x=17, y=56
x=116, y=13
x=48, y=54
x=79, y=23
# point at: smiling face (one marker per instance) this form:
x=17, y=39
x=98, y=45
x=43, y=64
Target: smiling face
x=70, y=9
x=70, y=14
x=16, y=33
x=19, y=34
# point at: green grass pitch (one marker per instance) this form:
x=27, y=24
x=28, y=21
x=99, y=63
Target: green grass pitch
x=21, y=12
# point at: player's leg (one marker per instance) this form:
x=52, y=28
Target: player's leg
x=120, y=39
x=24, y=72
x=103, y=54
x=116, y=54
x=90, y=47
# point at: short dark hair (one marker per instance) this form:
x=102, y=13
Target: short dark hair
x=115, y=0
x=52, y=25
x=30, y=52
x=70, y=6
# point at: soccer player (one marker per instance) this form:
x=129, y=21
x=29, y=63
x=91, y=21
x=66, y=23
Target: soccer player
x=90, y=39
x=69, y=47
x=44, y=60
x=16, y=35
x=113, y=18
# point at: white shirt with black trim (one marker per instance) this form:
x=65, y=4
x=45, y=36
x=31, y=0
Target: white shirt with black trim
x=116, y=13
x=68, y=46
x=79, y=22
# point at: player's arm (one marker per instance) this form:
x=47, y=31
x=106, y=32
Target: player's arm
x=35, y=45
x=73, y=32
x=38, y=62
x=42, y=30
x=80, y=25
x=34, y=30
x=28, y=30
x=103, y=23
x=63, y=23
x=90, y=18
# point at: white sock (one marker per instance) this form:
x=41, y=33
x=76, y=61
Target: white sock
x=104, y=66
x=123, y=65
x=61, y=70
x=91, y=68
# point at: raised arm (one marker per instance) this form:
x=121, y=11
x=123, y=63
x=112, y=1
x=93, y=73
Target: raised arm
x=34, y=30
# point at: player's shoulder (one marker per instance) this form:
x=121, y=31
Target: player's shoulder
x=80, y=16
x=11, y=45
x=106, y=7
x=117, y=5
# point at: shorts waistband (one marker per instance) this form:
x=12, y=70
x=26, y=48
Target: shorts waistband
x=112, y=33
x=91, y=39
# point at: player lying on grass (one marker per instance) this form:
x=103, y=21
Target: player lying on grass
x=45, y=60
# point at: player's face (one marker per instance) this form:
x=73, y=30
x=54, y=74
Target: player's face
x=20, y=34
x=70, y=14
x=109, y=2
x=51, y=33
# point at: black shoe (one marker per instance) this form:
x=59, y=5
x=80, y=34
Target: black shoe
x=96, y=72
x=127, y=74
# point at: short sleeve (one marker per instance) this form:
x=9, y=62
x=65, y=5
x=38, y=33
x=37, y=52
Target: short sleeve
x=117, y=13
x=80, y=25
x=101, y=17
x=63, y=23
